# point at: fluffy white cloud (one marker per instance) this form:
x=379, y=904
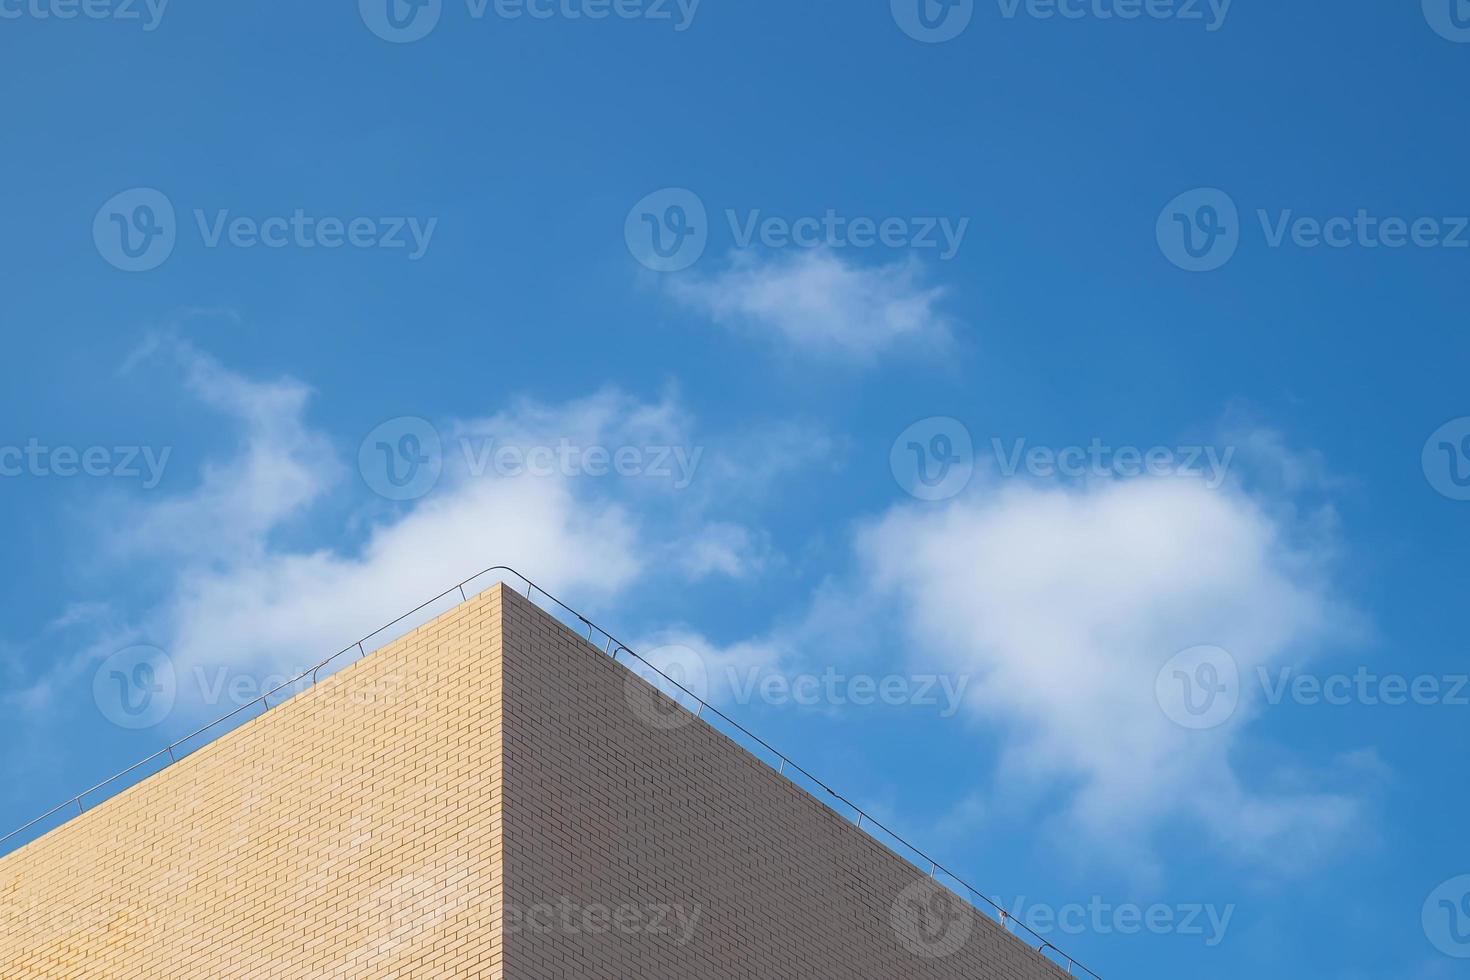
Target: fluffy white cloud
x=1063, y=604
x=819, y=303
x=243, y=600
x=281, y=609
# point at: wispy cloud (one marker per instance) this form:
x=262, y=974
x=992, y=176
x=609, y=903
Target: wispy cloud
x=817, y=302
x=279, y=467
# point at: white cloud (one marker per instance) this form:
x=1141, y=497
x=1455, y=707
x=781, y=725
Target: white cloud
x=1063, y=604
x=725, y=549
x=279, y=468
x=282, y=609
x=1060, y=604
x=244, y=598
x=819, y=303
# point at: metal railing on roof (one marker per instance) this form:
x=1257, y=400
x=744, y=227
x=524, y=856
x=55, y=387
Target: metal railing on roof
x=613, y=648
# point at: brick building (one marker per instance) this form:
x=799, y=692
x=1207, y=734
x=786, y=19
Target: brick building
x=488, y=796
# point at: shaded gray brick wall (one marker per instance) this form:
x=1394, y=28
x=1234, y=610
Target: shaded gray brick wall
x=638, y=850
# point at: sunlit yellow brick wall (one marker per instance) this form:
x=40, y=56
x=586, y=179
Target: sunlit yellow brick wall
x=354, y=831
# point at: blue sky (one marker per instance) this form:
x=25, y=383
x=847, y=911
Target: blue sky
x=342, y=313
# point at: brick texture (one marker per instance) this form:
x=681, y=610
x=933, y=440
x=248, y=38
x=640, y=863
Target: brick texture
x=487, y=797
x=352, y=832
x=618, y=803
